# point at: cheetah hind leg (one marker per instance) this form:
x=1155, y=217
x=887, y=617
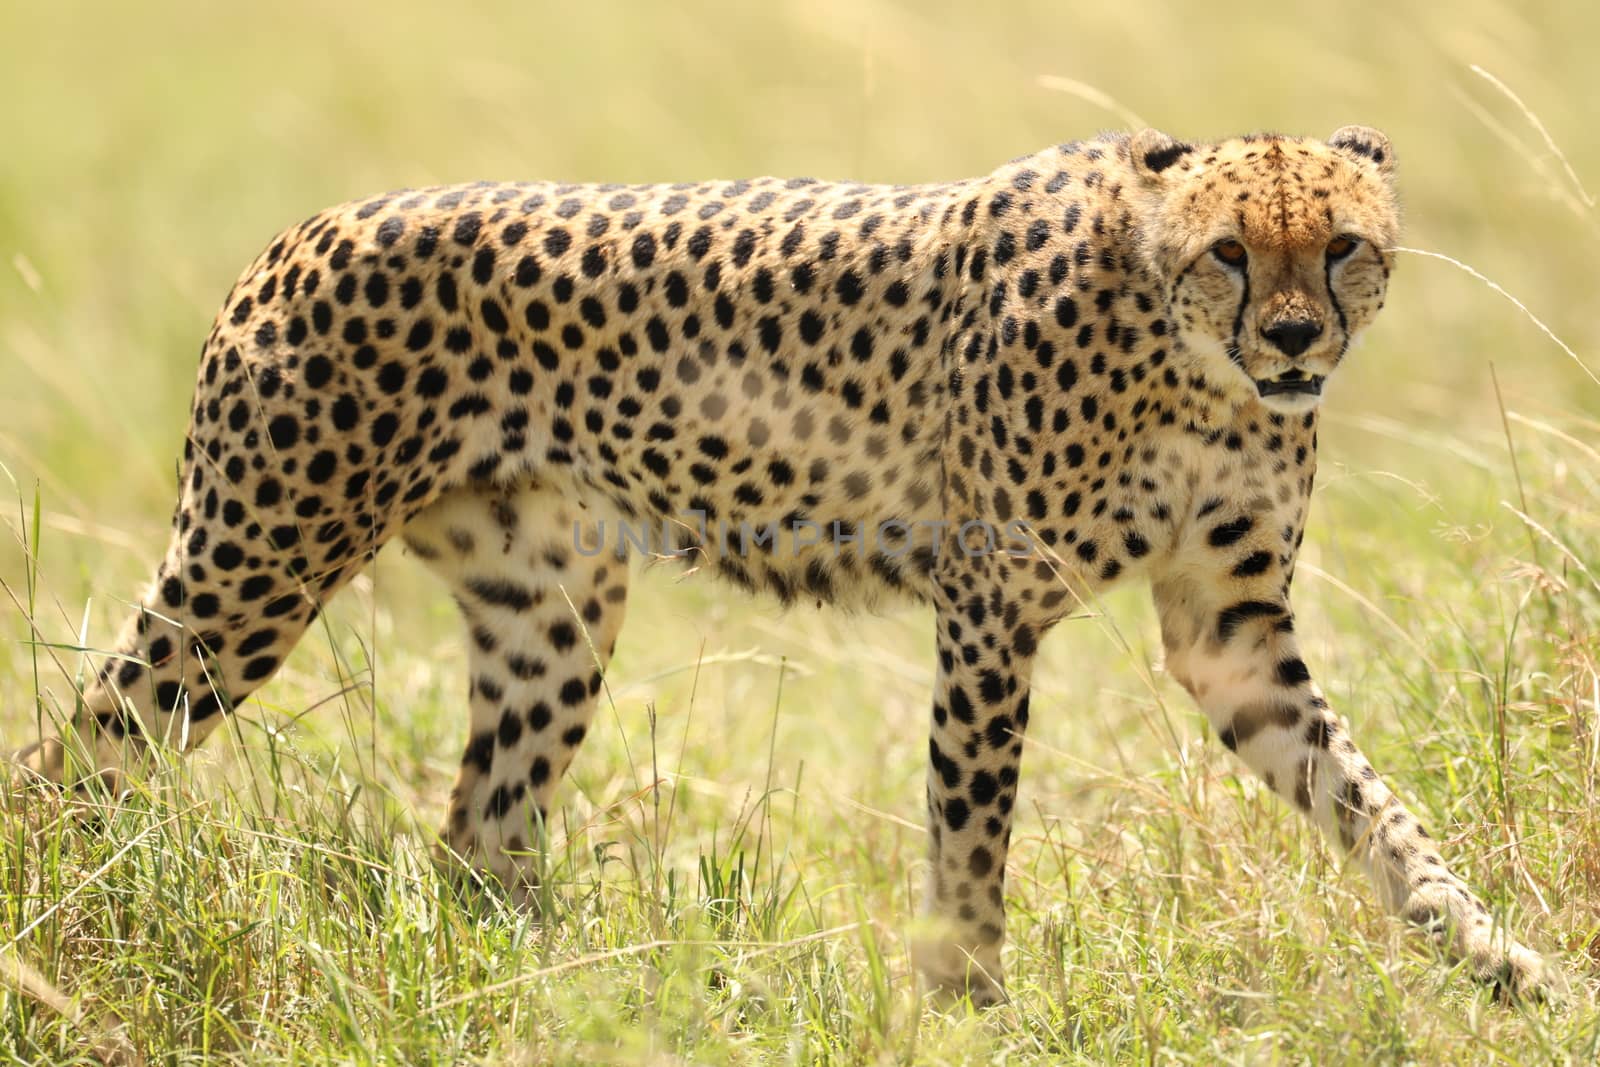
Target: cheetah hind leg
x=222, y=613
x=542, y=606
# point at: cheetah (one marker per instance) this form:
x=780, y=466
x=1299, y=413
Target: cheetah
x=998, y=396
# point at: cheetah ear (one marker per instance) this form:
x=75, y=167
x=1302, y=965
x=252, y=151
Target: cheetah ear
x=1367, y=143
x=1153, y=152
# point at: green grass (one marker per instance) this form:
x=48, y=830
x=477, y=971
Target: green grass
x=735, y=864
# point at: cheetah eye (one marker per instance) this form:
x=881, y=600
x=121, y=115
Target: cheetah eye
x=1342, y=246
x=1230, y=252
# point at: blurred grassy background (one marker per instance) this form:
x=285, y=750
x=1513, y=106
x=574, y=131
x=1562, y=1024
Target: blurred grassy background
x=150, y=150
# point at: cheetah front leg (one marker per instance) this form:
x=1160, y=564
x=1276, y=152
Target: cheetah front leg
x=1231, y=644
x=980, y=709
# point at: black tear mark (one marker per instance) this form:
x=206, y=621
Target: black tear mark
x=1333, y=298
x=1238, y=319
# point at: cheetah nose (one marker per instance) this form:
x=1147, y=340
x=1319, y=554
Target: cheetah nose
x=1292, y=336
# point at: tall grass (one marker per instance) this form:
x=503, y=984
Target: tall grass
x=734, y=866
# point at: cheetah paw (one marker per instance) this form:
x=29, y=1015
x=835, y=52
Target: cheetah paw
x=951, y=974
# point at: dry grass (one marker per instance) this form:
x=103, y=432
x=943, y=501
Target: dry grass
x=734, y=868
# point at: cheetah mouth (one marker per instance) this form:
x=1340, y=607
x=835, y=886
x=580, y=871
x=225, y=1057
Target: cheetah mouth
x=1291, y=383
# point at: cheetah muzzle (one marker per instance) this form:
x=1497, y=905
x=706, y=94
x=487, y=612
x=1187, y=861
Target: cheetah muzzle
x=1111, y=350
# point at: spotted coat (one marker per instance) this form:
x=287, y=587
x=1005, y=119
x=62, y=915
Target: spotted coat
x=999, y=396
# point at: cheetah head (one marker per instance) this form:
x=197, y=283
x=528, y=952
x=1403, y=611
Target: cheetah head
x=1275, y=251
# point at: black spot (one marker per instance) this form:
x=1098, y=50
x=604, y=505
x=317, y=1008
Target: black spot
x=420, y=335
x=318, y=370
x=392, y=377
x=499, y=803
x=1319, y=734
x=494, y=316
x=255, y=587
x=771, y=333
x=321, y=467
x=943, y=765
x=432, y=382
x=699, y=243
x=961, y=705
x=644, y=250
x=480, y=751
x=656, y=331
x=1253, y=564
x=1227, y=533
x=1160, y=159
x=259, y=668
x=744, y=247
x=466, y=231
x=1066, y=312
x=500, y=593
x=983, y=789
x=811, y=327
x=563, y=636
x=377, y=289
x=539, y=716
x=160, y=651
x=528, y=272
x=539, y=773
x=1293, y=672
x=283, y=431
x=257, y=641
x=1231, y=618
x=510, y=731
x=1000, y=731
